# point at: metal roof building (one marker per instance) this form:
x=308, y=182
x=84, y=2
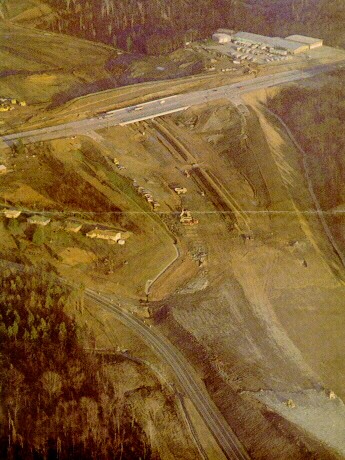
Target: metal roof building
x=310, y=41
x=221, y=37
x=271, y=42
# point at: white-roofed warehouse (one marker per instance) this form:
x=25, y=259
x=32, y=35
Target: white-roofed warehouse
x=310, y=41
x=290, y=46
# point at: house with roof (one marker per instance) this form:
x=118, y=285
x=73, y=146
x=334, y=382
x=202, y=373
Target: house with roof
x=38, y=219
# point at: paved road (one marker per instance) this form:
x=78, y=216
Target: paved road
x=215, y=421
x=170, y=104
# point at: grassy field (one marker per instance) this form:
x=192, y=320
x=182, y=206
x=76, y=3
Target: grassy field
x=36, y=65
x=73, y=179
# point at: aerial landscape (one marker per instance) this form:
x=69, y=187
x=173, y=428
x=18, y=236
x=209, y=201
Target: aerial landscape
x=172, y=229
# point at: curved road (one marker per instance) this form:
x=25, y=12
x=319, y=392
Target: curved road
x=211, y=415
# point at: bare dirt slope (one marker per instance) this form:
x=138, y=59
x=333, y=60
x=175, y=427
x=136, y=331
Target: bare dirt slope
x=271, y=273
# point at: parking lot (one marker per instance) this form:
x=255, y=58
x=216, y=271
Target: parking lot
x=241, y=53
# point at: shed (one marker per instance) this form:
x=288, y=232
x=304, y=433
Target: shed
x=12, y=213
x=221, y=38
x=111, y=235
x=39, y=219
x=180, y=190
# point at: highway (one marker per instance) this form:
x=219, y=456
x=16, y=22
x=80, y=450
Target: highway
x=211, y=415
x=165, y=106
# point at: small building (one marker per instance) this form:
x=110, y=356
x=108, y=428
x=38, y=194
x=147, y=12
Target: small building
x=3, y=169
x=39, y=219
x=221, y=38
x=186, y=218
x=121, y=242
x=12, y=213
x=309, y=41
x=111, y=235
x=180, y=190
x=73, y=227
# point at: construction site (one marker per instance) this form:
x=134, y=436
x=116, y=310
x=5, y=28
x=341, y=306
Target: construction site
x=206, y=239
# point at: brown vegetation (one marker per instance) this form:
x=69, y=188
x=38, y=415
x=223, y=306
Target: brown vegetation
x=76, y=412
x=157, y=27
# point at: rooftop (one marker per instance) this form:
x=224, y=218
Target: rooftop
x=304, y=39
x=12, y=213
x=269, y=41
x=39, y=220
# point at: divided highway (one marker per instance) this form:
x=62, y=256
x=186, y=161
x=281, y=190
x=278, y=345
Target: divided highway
x=165, y=106
x=211, y=415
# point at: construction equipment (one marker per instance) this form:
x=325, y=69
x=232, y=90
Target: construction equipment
x=186, y=218
x=180, y=190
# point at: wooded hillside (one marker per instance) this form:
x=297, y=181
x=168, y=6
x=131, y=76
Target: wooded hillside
x=55, y=401
x=160, y=26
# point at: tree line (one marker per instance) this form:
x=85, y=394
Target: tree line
x=161, y=26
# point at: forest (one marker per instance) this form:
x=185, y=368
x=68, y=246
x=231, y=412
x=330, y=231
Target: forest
x=161, y=26
x=56, y=401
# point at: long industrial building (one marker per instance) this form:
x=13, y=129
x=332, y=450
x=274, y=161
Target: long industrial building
x=310, y=41
x=271, y=42
x=293, y=44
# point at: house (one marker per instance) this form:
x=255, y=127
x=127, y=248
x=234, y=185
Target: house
x=110, y=235
x=73, y=227
x=3, y=169
x=12, y=213
x=39, y=219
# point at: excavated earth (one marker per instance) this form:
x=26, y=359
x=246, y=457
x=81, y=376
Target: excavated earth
x=263, y=319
